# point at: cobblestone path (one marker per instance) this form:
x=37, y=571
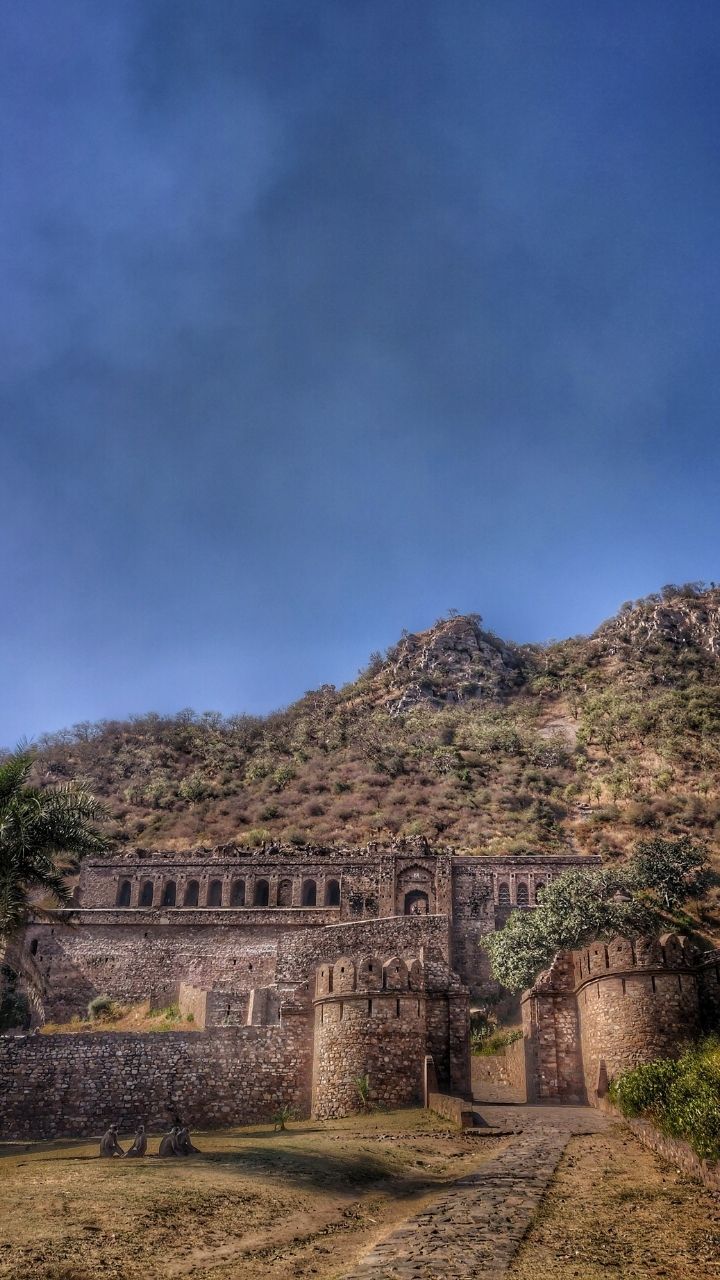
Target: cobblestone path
x=473, y=1230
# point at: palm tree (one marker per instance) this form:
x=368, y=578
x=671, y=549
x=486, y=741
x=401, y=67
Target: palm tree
x=43, y=834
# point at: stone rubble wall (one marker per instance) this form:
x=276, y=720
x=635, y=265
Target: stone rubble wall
x=500, y=1077
x=136, y=962
x=134, y=959
x=192, y=1003
x=454, y=1109
x=709, y=989
x=636, y=1001
x=76, y=1085
x=373, y=1014
x=300, y=953
x=475, y=894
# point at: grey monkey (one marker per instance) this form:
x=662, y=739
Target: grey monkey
x=169, y=1143
x=139, y=1146
x=109, y=1145
x=185, y=1146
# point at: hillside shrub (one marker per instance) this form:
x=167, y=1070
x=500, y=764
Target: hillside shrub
x=681, y=1098
x=580, y=906
x=254, y=837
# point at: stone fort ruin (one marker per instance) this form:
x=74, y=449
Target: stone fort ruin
x=302, y=975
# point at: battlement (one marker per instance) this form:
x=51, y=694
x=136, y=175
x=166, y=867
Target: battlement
x=377, y=1017
x=368, y=976
x=671, y=952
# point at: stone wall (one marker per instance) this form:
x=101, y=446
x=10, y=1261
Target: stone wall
x=76, y=1085
x=285, y=889
x=500, y=1077
x=383, y=1017
x=709, y=989
x=236, y=935
x=456, y=1110
x=552, y=1031
x=484, y=891
x=356, y=883
x=299, y=953
x=147, y=961
x=376, y=1014
x=609, y=1007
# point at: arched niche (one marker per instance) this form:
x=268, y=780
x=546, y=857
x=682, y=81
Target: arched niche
x=332, y=893
x=261, y=896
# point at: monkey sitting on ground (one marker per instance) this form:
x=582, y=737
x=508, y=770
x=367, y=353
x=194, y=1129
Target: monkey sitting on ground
x=139, y=1146
x=109, y=1145
x=169, y=1143
x=184, y=1144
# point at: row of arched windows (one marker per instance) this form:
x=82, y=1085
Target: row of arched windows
x=190, y=894
x=522, y=894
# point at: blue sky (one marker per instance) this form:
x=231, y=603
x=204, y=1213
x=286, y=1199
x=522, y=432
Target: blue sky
x=322, y=318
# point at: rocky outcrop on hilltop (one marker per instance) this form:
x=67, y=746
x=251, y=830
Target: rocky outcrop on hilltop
x=677, y=623
x=451, y=662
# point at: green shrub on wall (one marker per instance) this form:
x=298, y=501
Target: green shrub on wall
x=487, y=1044
x=682, y=1098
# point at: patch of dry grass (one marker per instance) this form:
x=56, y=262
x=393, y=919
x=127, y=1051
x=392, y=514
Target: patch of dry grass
x=125, y=1017
x=616, y=1211
x=255, y=1204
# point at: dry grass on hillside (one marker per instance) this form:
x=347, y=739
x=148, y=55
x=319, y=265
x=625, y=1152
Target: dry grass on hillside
x=593, y=743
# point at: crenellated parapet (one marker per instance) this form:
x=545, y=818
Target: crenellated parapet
x=371, y=975
x=670, y=952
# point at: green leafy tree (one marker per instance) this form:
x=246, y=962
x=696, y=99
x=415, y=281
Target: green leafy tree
x=43, y=834
x=580, y=906
x=670, y=869
x=576, y=908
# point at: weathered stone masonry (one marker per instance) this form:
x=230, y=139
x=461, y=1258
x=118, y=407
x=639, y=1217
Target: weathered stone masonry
x=237, y=938
x=74, y=1085
x=611, y=1006
x=246, y=903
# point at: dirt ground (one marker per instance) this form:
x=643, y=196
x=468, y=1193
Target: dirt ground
x=256, y=1204
x=614, y=1209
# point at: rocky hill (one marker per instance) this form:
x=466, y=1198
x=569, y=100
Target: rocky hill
x=454, y=734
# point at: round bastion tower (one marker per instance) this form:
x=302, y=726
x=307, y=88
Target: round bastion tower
x=369, y=1021
x=636, y=1001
